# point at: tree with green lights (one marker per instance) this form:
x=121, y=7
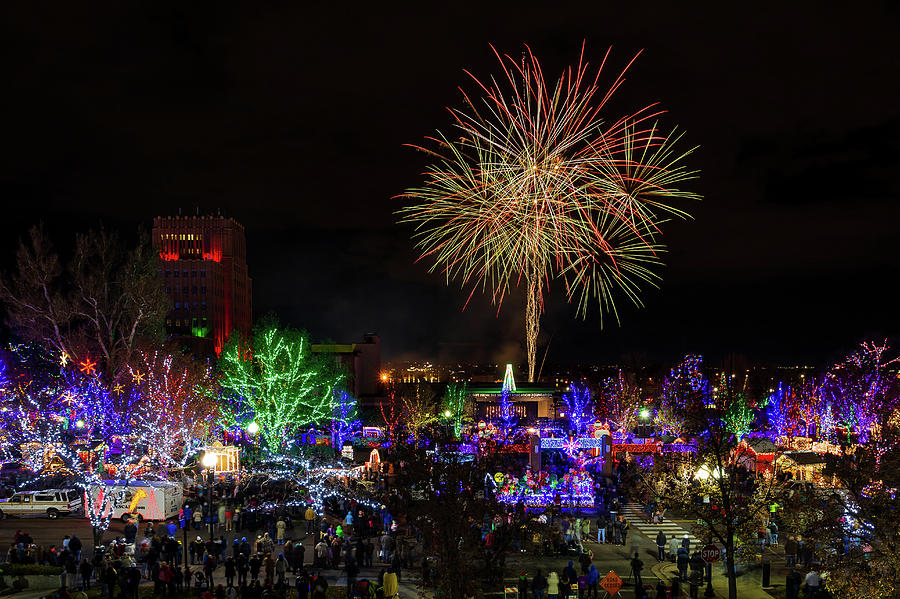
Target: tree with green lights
x=455, y=398
x=277, y=382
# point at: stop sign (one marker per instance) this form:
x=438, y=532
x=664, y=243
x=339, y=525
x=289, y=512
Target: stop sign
x=710, y=553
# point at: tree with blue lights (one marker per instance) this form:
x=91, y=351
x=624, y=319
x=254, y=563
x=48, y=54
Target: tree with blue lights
x=579, y=408
x=343, y=418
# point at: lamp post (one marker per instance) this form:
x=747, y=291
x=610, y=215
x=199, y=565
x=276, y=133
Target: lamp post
x=703, y=473
x=252, y=430
x=209, y=462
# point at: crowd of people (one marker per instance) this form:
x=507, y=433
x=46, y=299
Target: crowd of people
x=237, y=549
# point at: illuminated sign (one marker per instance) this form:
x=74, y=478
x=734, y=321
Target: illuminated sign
x=582, y=443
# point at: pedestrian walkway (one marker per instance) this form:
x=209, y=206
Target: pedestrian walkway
x=635, y=514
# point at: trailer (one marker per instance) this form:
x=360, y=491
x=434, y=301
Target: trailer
x=137, y=499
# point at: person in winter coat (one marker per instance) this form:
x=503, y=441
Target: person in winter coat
x=552, y=585
x=585, y=560
x=538, y=585
x=269, y=567
x=570, y=574
x=636, y=566
x=661, y=591
x=86, y=570
x=390, y=586
x=281, y=567
x=673, y=548
x=280, y=526
x=682, y=562
x=601, y=529
x=660, y=546
x=310, y=517
x=523, y=585
x=230, y=571
x=593, y=579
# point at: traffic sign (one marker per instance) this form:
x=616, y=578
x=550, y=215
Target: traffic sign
x=611, y=583
x=710, y=553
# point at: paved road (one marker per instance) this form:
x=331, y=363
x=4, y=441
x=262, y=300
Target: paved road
x=48, y=532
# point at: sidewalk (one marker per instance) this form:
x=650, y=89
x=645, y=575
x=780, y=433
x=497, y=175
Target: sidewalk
x=748, y=586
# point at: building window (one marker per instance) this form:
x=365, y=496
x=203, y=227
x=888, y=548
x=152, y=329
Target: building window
x=203, y=290
x=168, y=322
x=202, y=274
x=194, y=274
x=185, y=274
x=196, y=305
x=194, y=290
x=203, y=306
x=169, y=290
x=175, y=274
x=178, y=305
x=168, y=272
x=184, y=290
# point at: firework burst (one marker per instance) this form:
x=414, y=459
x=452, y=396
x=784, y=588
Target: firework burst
x=534, y=185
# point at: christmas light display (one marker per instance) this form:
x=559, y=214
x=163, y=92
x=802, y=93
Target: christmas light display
x=509, y=380
x=738, y=411
x=279, y=384
x=391, y=409
x=177, y=409
x=573, y=489
x=783, y=411
x=508, y=417
x=456, y=405
x=579, y=408
x=861, y=389
x=620, y=403
x=684, y=389
x=344, y=422
x=535, y=185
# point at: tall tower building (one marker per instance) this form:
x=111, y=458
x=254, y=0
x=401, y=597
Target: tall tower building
x=203, y=267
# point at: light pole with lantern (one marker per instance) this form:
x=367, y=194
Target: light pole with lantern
x=252, y=430
x=209, y=463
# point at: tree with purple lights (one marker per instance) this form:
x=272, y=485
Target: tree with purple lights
x=862, y=517
x=579, y=407
x=684, y=390
x=860, y=388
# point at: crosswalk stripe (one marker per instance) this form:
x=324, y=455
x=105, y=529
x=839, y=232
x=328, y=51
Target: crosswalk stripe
x=650, y=530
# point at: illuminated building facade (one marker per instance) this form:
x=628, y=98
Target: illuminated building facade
x=203, y=267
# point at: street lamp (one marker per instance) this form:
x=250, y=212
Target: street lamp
x=209, y=462
x=252, y=430
x=447, y=413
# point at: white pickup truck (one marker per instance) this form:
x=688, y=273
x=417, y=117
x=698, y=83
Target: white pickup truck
x=52, y=503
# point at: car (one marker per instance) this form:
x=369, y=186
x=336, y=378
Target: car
x=51, y=503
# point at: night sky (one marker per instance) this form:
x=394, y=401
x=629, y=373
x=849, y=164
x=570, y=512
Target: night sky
x=292, y=119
